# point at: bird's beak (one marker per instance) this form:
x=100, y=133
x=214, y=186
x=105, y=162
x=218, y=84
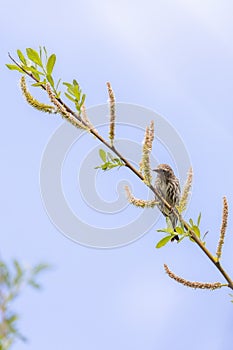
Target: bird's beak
x=156, y=170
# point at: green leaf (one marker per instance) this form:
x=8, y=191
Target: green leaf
x=110, y=166
x=82, y=100
x=96, y=167
x=21, y=57
x=104, y=166
x=34, y=284
x=77, y=106
x=40, y=52
x=196, y=230
x=14, y=67
x=70, y=97
x=169, y=230
x=71, y=91
x=4, y=274
x=12, y=318
x=50, y=80
x=34, y=70
x=102, y=154
x=110, y=156
x=18, y=268
x=45, y=52
x=163, y=241
x=36, y=75
x=109, y=161
x=199, y=220
x=39, y=268
x=58, y=83
x=67, y=84
x=3, y=265
x=40, y=83
x=11, y=296
x=191, y=222
x=34, y=56
x=76, y=92
x=50, y=64
x=179, y=230
x=204, y=236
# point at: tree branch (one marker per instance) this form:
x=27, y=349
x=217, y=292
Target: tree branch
x=140, y=176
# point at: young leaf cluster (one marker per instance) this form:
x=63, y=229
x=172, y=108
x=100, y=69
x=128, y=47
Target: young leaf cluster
x=109, y=161
x=74, y=94
x=12, y=279
x=39, y=65
x=181, y=232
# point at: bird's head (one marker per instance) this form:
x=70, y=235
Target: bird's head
x=164, y=170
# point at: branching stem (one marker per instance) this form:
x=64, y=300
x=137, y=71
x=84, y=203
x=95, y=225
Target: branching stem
x=140, y=176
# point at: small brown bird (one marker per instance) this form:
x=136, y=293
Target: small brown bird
x=168, y=187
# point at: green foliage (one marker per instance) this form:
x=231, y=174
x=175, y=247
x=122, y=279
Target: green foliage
x=74, y=94
x=50, y=64
x=14, y=67
x=181, y=232
x=170, y=235
x=109, y=161
x=199, y=220
x=39, y=65
x=195, y=227
x=21, y=57
x=12, y=279
x=103, y=155
x=34, y=57
x=163, y=241
x=31, y=62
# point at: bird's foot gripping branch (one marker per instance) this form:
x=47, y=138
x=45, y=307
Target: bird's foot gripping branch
x=39, y=66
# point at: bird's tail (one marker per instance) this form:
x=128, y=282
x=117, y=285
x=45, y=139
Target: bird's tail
x=172, y=218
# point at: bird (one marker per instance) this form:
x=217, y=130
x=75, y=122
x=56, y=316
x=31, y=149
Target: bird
x=168, y=187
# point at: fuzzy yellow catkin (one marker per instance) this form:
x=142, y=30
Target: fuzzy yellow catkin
x=62, y=110
x=42, y=107
x=223, y=228
x=139, y=202
x=186, y=191
x=146, y=150
x=112, y=107
x=86, y=120
x=190, y=284
x=151, y=135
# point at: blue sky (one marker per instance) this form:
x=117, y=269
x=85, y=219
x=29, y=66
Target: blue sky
x=175, y=58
